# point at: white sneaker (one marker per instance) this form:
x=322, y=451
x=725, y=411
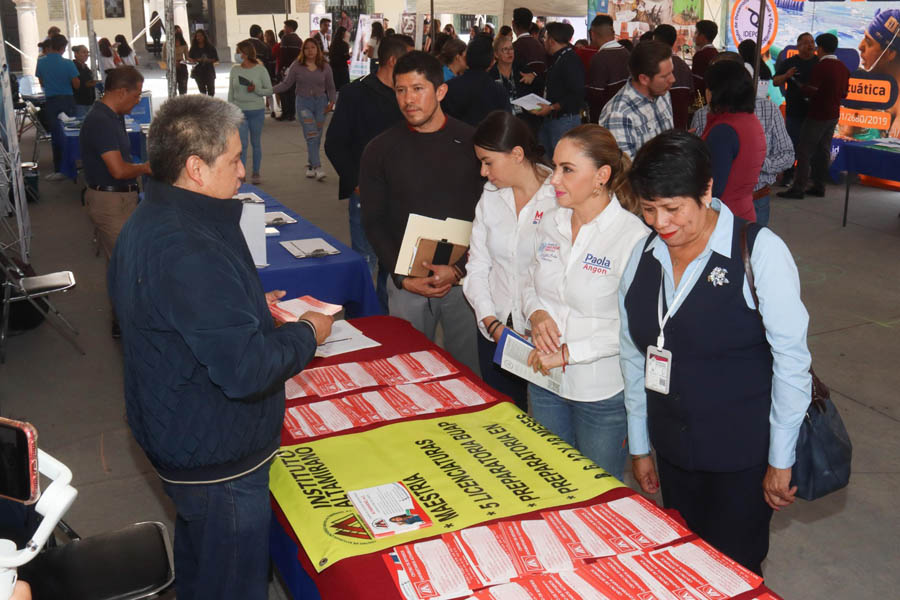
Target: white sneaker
x=310, y=172
x=320, y=174
x=55, y=177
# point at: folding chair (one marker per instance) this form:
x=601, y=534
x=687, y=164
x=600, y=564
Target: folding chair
x=32, y=119
x=36, y=290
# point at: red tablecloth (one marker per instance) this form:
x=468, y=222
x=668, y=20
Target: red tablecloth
x=365, y=577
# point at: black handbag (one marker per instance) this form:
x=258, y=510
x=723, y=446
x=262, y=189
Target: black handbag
x=824, y=451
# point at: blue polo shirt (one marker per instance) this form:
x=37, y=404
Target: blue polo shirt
x=56, y=74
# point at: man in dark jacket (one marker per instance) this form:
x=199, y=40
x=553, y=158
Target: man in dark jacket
x=290, y=47
x=368, y=106
x=565, y=87
x=472, y=95
x=204, y=364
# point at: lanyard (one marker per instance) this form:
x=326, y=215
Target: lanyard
x=660, y=341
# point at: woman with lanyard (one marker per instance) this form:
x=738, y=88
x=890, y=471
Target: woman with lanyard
x=717, y=382
x=501, y=248
x=581, y=248
x=204, y=54
x=508, y=73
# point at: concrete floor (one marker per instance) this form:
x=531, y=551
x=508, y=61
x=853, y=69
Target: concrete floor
x=842, y=546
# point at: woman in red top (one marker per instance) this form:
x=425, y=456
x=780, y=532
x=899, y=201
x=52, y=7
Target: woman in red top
x=734, y=135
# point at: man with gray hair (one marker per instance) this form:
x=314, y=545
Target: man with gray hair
x=204, y=364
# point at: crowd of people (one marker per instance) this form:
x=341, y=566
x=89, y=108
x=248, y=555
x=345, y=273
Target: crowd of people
x=619, y=227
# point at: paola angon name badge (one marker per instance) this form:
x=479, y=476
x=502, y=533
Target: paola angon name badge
x=659, y=370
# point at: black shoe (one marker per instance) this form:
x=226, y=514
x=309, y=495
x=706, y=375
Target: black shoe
x=787, y=182
x=818, y=192
x=791, y=193
x=116, y=331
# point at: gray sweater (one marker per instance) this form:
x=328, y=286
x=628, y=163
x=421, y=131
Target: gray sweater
x=308, y=83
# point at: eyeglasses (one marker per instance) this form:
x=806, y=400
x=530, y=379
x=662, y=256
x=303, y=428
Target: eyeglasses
x=510, y=49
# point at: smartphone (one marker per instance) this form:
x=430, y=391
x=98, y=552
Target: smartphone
x=19, y=477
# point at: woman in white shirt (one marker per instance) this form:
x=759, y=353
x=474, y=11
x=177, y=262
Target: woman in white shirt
x=581, y=249
x=501, y=247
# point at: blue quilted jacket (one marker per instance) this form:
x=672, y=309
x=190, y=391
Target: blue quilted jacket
x=204, y=365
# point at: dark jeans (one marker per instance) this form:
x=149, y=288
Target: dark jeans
x=502, y=381
x=206, y=84
x=813, y=152
x=725, y=509
x=222, y=538
x=360, y=243
x=54, y=106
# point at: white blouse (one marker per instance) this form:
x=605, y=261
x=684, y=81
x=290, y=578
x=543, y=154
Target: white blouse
x=577, y=283
x=501, y=249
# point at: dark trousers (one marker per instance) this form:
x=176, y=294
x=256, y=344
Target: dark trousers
x=222, y=538
x=502, y=381
x=793, y=125
x=206, y=84
x=288, y=104
x=813, y=153
x=54, y=106
x=725, y=509
x=181, y=78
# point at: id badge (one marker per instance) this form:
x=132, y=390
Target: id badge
x=659, y=370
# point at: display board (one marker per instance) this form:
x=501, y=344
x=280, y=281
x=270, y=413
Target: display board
x=868, y=35
x=464, y=470
x=633, y=18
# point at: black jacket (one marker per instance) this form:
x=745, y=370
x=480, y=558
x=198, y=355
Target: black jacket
x=472, y=95
x=365, y=108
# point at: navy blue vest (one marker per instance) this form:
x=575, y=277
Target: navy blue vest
x=716, y=415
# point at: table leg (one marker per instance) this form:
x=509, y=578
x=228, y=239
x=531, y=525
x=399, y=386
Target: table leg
x=847, y=197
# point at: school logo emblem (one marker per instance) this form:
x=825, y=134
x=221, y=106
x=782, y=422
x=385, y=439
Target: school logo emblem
x=347, y=527
x=538, y=215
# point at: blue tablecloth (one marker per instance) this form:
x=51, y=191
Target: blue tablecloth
x=72, y=150
x=340, y=279
x=865, y=158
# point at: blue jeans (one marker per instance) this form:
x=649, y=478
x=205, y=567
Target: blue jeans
x=762, y=210
x=222, y=538
x=360, y=243
x=597, y=429
x=54, y=106
x=252, y=125
x=793, y=125
x=553, y=129
x=311, y=113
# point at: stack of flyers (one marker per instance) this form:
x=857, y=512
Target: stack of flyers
x=347, y=377
x=476, y=557
x=550, y=586
x=690, y=571
x=617, y=527
x=291, y=310
x=388, y=404
x=388, y=509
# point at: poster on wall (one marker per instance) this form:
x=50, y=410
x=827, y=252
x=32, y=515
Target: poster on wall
x=408, y=24
x=633, y=18
x=359, y=62
x=868, y=35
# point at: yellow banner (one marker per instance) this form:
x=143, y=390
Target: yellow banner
x=463, y=469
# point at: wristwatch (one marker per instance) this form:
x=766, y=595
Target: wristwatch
x=398, y=280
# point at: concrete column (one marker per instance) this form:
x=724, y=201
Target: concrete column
x=26, y=11
x=181, y=17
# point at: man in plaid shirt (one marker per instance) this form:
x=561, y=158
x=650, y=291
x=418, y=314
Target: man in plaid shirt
x=642, y=109
x=779, y=147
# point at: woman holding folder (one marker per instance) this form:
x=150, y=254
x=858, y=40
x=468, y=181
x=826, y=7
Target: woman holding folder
x=571, y=300
x=515, y=198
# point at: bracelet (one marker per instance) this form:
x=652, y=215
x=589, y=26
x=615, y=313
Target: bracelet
x=493, y=327
x=565, y=355
x=637, y=456
x=458, y=272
